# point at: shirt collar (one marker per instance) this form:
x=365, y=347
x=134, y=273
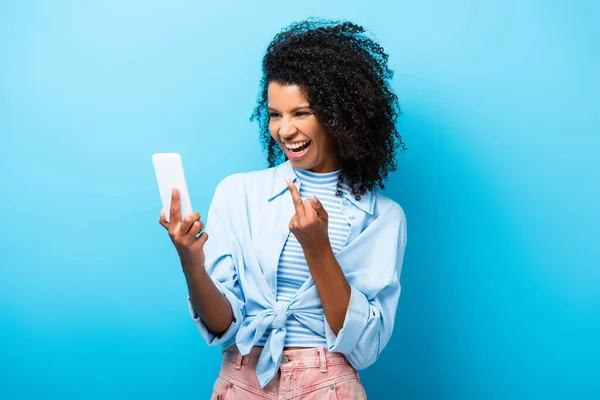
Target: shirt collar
x=286, y=170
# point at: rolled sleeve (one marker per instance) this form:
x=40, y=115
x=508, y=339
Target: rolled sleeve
x=228, y=336
x=357, y=318
x=367, y=327
x=374, y=295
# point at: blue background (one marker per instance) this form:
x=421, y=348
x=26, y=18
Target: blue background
x=500, y=185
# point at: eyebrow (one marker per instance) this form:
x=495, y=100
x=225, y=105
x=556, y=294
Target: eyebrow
x=295, y=109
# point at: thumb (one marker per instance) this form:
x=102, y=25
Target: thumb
x=318, y=207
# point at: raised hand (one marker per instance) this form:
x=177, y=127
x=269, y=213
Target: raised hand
x=310, y=223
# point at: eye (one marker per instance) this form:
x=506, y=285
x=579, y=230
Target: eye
x=302, y=113
x=273, y=115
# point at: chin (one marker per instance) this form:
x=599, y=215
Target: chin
x=300, y=163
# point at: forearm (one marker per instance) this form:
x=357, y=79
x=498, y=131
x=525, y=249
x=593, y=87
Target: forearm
x=332, y=286
x=208, y=302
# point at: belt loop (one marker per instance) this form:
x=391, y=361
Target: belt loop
x=238, y=360
x=322, y=359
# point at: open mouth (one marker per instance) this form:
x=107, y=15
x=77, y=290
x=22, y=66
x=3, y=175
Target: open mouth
x=299, y=151
x=301, y=148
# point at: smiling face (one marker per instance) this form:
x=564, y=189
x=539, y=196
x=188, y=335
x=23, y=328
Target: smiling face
x=293, y=124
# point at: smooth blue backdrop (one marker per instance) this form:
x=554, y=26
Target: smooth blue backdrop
x=500, y=185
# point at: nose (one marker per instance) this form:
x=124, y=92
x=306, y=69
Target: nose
x=287, y=129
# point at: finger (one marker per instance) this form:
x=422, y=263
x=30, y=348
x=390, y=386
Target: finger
x=188, y=221
x=163, y=219
x=202, y=239
x=318, y=207
x=195, y=229
x=308, y=208
x=296, y=198
x=175, y=215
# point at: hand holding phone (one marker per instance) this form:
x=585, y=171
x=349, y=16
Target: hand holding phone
x=184, y=230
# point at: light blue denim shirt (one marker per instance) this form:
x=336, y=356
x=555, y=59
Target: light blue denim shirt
x=248, y=224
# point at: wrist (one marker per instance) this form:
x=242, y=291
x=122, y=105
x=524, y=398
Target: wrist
x=194, y=273
x=319, y=250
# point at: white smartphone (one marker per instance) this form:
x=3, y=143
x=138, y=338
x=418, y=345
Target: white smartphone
x=169, y=174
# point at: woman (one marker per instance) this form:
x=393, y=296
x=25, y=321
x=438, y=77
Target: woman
x=299, y=281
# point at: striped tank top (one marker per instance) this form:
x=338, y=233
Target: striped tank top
x=292, y=270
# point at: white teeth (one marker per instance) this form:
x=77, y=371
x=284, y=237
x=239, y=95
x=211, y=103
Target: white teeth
x=296, y=145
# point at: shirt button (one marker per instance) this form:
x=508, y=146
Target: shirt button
x=352, y=218
x=345, y=202
x=285, y=359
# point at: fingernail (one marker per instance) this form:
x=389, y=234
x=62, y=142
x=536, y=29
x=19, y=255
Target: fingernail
x=288, y=181
x=314, y=199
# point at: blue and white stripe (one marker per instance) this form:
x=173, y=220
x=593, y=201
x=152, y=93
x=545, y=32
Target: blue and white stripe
x=292, y=270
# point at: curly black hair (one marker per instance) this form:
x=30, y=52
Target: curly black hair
x=346, y=78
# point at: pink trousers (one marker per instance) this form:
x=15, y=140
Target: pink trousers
x=312, y=373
